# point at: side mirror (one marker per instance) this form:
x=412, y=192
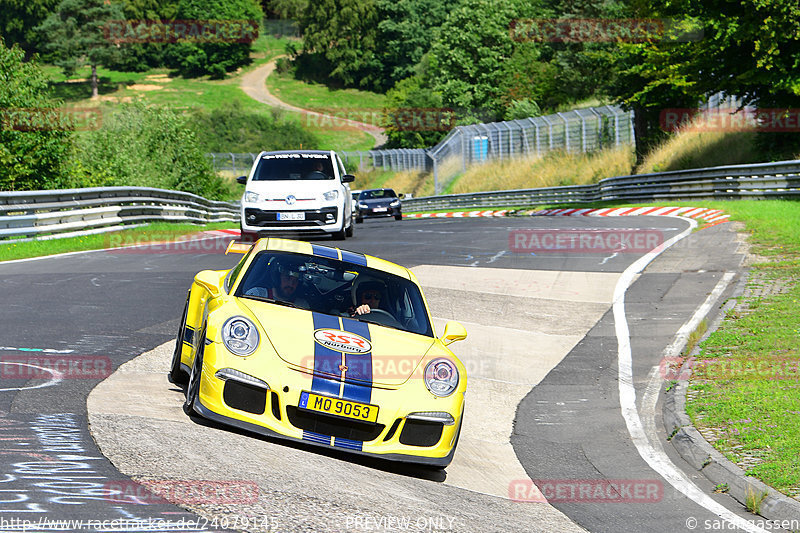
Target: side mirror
x=401, y=195
x=348, y=178
x=453, y=331
x=242, y=180
x=211, y=280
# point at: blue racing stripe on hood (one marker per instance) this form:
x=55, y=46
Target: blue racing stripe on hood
x=324, y=251
x=359, y=365
x=325, y=360
x=352, y=257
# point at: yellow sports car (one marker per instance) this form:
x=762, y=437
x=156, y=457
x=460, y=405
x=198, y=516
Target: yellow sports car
x=323, y=345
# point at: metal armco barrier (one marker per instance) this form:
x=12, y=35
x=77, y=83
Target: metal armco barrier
x=29, y=215
x=763, y=180
x=66, y=213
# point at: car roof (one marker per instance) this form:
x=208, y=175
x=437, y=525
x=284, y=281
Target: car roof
x=318, y=250
x=323, y=152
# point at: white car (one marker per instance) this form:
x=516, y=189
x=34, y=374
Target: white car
x=297, y=191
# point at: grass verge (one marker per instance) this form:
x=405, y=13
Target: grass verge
x=160, y=231
x=321, y=98
x=746, y=389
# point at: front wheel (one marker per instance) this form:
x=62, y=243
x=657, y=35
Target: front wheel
x=193, y=387
x=398, y=216
x=341, y=234
x=176, y=375
x=350, y=229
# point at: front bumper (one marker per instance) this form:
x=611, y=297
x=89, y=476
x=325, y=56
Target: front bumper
x=274, y=412
x=371, y=213
x=262, y=221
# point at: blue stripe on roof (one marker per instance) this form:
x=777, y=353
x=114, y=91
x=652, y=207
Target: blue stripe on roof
x=324, y=251
x=352, y=257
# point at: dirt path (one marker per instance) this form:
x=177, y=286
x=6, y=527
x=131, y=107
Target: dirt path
x=254, y=84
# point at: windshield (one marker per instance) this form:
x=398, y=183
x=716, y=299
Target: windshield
x=336, y=288
x=376, y=194
x=294, y=166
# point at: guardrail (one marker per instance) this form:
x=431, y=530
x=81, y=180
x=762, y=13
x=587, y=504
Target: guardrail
x=763, y=180
x=30, y=215
x=71, y=212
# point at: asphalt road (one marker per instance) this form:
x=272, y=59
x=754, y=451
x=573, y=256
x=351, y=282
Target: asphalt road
x=99, y=310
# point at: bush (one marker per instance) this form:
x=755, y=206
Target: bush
x=214, y=58
x=231, y=128
x=32, y=159
x=141, y=146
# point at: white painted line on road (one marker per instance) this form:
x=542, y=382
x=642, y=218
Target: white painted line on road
x=657, y=459
x=55, y=377
x=43, y=350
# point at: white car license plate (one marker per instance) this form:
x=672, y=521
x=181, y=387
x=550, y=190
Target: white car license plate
x=380, y=209
x=292, y=216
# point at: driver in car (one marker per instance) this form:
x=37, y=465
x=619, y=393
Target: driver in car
x=368, y=297
x=286, y=287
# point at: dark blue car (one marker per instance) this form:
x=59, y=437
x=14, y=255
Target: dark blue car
x=378, y=203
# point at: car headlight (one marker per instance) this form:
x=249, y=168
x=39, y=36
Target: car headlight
x=250, y=197
x=441, y=377
x=330, y=195
x=363, y=206
x=395, y=203
x=240, y=336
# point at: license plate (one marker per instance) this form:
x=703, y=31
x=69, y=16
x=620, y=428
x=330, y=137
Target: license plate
x=381, y=209
x=292, y=216
x=338, y=407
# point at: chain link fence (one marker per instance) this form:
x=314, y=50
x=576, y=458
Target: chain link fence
x=581, y=130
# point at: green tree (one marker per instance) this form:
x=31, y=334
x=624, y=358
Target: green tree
x=286, y=9
x=75, y=35
x=749, y=49
x=416, y=117
x=467, y=58
x=406, y=30
x=34, y=159
x=200, y=56
x=343, y=33
x=18, y=20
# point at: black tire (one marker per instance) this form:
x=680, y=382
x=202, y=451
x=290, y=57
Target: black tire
x=193, y=386
x=341, y=234
x=176, y=375
x=398, y=216
x=247, y=236
x=359, y=220
x=350, y=229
